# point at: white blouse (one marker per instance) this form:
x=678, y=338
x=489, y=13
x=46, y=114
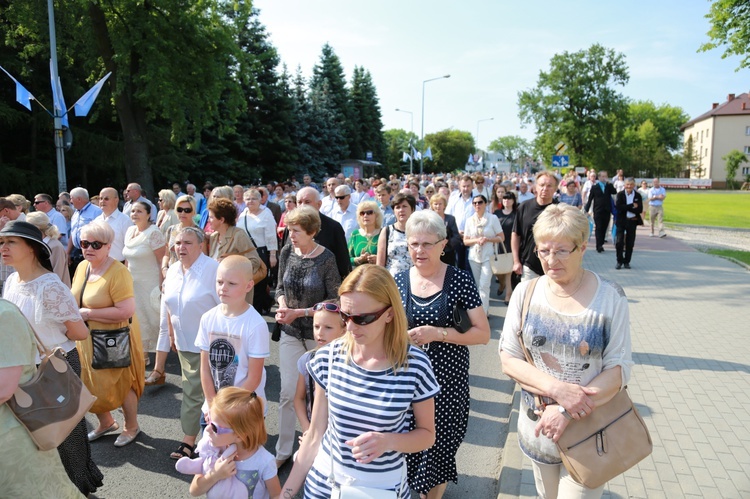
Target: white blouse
x=261, y=228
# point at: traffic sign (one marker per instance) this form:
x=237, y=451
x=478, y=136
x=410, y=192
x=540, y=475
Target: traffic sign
x=560, y=161
x=560, y=148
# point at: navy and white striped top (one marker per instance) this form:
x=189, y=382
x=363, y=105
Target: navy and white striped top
x=361, y=400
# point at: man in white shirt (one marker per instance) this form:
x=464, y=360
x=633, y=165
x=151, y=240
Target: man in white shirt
x=134, y=193
x=586, y=189
x=120, y=223
x=656, y=196
x=329, y=202
x=43, y=202
x=523, y=192
x=461, y=208
x=345, y=212
x=190, y=188
x=360, y=193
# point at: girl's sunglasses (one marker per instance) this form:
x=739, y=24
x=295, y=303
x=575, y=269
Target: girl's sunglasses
x=362, y=319
x=94, y=244
x=330, y=307
x=219, y=430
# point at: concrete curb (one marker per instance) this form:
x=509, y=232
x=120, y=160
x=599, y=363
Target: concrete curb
x=733, y=260
x=511, y=463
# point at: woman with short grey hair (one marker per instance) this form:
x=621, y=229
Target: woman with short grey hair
x=430, y=291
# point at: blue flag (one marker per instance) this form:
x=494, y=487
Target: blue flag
x=23, y=96
x=59, y=106
x=428, y=153
x=83, y=105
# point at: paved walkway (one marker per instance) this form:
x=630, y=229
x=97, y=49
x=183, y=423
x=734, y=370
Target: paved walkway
x=691, y=345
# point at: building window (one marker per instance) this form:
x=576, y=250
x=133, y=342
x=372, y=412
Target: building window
x=747, y=149
x=747, y=130
x=746, y=170
x=705, y=154
x=707, y=131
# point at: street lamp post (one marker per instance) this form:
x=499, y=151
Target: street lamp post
x=478, y=122
x=421, y=159
x=411, y=154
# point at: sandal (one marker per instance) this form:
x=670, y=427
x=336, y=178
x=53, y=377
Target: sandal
x=183, y=450
x=155, y=378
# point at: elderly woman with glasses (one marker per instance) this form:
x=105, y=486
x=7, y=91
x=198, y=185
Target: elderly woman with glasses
x=363, y=244
x=577, y=331
x=258, y=222
x=430, y=291
x=104, y=288
x=481, y=233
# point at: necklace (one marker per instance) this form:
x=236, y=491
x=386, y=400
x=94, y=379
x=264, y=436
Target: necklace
x=580, y=283
x=307, y=255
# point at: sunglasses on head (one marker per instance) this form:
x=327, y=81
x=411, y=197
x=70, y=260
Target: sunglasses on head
x=362, y=319
x=94, y=244
x=329, y=307
x=367, y=212
x=183, y=210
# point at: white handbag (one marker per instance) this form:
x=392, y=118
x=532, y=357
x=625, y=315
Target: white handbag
x=501, y=263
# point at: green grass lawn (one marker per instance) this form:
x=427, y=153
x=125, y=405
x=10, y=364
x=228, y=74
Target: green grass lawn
x=711, y=208
x=743, y=256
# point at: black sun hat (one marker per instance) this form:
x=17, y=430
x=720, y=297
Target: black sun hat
x=25, y=230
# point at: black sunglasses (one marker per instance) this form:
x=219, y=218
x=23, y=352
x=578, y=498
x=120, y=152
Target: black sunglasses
x=39, y=202
x=184, y=210
x=367, y=212
x=478, y=202
x=342, y=197
x=330, y=307
x=94, y=244
x=362, y=319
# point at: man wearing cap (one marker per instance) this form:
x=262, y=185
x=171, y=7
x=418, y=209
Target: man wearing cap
x=44, y=203
x=134, y=193
x=8, y=213
x=85, y=214
x=108, y=200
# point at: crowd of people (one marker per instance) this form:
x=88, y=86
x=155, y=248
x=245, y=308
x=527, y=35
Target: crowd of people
x=364, y=279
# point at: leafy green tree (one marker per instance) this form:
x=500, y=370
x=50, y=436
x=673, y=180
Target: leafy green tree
x=576, y=101
x=691, y=159
x=330, y=70
x=512, y=147
x=734, y=159
x=366, y=117
x=730, y=28
x=450, y=148
x=397, y=143
x=666, y=119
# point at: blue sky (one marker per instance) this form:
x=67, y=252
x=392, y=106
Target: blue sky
x=494, y=49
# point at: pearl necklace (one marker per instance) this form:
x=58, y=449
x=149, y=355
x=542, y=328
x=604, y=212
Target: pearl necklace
x=307, y=255
x=580, y=283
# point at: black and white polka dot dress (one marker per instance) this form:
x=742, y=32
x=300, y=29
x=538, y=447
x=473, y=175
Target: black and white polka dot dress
x=450, y=363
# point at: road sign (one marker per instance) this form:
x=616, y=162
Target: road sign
x=560, y=148
x=368, y=155
x=560, y=161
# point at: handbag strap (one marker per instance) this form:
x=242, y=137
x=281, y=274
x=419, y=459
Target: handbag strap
x=332, y=475
x=248, y=231
x=43, y=350
x=519, y=333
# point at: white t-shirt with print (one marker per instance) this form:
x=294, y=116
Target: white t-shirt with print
x=254, y=471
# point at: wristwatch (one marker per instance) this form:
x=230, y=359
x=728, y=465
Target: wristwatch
x=564, y=413
x=444, y=333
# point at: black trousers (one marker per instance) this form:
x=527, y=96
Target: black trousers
x=600, y=231
x=625, y=239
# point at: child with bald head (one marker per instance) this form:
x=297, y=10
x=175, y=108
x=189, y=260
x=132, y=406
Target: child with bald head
x=233, y=337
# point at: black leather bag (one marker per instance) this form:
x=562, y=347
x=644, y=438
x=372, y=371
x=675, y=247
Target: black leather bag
x=111, y=348
x=461, y=321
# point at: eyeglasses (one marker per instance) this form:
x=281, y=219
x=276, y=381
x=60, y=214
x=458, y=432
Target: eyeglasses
x=39, y=202
x=424, y=246
x=479, y=183
x=560, y=254
x=342, y=197
x=362, y=319
x=183, y=210
x=251, y=199
x=367, y=212
x=330, y=307
x=476, y=203
x=94, y=244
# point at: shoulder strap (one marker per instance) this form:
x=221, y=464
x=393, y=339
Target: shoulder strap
x=524, y=313
x=83, y=288
x=248, y=232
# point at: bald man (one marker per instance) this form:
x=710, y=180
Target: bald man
x=134, y=193
x=108, y=201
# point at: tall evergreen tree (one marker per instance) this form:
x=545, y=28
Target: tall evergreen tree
x=329, y=70
x=366, y=117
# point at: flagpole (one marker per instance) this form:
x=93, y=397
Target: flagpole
x=421, y=160
x=62, y=184
x=411, y=158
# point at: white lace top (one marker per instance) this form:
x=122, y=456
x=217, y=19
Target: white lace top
x=47, y=303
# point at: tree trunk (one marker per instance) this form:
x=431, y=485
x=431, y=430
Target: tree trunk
x=132, y=116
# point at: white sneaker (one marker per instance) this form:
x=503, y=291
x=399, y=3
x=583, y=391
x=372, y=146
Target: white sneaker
x=652, y=235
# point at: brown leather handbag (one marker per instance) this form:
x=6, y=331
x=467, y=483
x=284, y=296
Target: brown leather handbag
x=53, y=401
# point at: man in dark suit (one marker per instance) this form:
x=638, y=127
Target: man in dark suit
x=331, y=234
x=275, y=209
x=601, y=197
x=629, y=205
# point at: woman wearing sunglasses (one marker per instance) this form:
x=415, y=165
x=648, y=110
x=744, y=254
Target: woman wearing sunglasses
x=308, y=274
x=430, y=291
x=167, y=217
x=186, y=215
x=108, y=302
x=374, y=396
x=363, y=244
x=481, y=233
